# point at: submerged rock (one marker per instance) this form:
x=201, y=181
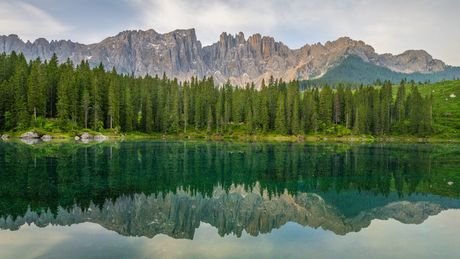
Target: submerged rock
x=100, y=137
x=86, y=136
x=46, y=137
x=31, y=141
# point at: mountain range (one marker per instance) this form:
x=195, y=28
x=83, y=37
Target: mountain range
x=180, y=54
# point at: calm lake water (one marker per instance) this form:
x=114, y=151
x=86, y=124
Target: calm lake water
x=173, y=199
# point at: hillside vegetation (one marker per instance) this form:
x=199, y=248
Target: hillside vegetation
x=354, y=71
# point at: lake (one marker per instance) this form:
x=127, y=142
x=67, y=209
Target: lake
x=176, y=199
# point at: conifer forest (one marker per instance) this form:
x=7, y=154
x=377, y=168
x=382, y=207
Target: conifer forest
x=77, y=97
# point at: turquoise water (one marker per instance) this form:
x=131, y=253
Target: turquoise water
x=157, y=199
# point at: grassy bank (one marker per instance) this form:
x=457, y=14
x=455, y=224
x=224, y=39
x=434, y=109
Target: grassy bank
x=237, y=133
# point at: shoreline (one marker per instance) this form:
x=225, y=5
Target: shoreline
x=239, y=137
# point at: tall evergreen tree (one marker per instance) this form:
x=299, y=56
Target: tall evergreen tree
x=36, y=83
x=295, y=127
x=280, y=123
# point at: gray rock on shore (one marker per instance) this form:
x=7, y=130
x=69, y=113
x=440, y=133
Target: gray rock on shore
x=30, y=135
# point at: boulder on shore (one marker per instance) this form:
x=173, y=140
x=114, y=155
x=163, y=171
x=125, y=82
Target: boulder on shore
x=5, y=136
x=29, y=135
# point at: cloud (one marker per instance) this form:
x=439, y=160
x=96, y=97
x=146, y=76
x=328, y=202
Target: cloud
x=391, y=26
x=210, y=18
x=28, y=22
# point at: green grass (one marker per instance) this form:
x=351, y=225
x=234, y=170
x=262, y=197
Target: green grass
x=448, y=124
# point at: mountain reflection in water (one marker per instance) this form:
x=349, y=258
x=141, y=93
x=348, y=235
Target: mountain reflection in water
x=146, y=188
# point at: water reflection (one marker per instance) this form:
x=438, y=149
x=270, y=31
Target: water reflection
x=140, y=188
x=32, y=141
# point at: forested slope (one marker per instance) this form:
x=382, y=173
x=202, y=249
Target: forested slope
x=354, y=71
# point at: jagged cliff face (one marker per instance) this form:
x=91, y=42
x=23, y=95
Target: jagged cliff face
x=179, y=215
x=179, y=54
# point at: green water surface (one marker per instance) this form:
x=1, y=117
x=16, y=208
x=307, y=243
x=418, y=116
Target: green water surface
x=175, y=199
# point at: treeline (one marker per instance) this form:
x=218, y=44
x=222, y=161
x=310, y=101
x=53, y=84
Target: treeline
x=80, y=97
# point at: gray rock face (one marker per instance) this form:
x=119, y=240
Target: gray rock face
x=30, y=135
x=179, y=54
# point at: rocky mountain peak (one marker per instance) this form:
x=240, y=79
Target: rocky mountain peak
x=179, y=54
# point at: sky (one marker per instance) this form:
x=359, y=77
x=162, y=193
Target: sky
x=390, y=26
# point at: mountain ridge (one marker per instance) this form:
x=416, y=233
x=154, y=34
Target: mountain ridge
x=180, y=54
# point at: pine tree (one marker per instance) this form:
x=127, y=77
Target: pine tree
x=376, y=124
x=295, y=118
x=210, y=120
x=314, y=122
x=62, y=106
x=52, y=74
x=36, y=83
x=348, y=109
x=186, y=104
x=73, y=94
x=114, y=108
x=337, y=110
x=149, y=121
x=280, y=122
x=96, y=107
x=249, y=121
x=265, y=118
x=85, y=104
x=19, y=85
x=325, y=106
x=167, y=113
x=129, y=112
x=341, y=103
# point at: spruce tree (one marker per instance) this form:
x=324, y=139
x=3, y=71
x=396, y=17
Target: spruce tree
x=149, y=121
x=295, y=118
x=186, y=104
x=249, y=121
x=210, y=120
x=129, y=112
x=85, y=104
x=36, y=83
x=114, y=108
x=52, y=74
x=348, y=113
x=280, y=122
